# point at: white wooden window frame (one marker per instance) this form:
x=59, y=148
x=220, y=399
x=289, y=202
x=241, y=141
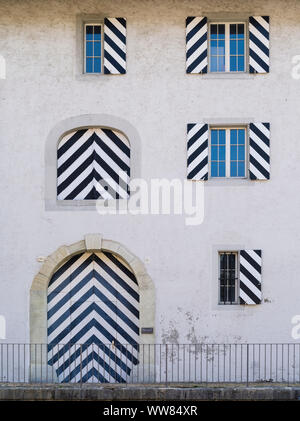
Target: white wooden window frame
x=227, y=46
x=227, y=152
x=237, y=277
x=101, y=24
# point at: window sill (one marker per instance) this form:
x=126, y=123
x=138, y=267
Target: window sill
x=87, y=205
x=228, y=76
x=228, y=182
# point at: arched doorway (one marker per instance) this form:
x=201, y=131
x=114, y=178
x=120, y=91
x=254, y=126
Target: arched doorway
x=91, y=302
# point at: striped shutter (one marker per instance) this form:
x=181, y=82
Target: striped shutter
x=92, y=164
x=93, y=300
x=197, y=151
x=259, y=151
x=259, y=47
x=196, y=45
x=115, y=46
x=250, y=276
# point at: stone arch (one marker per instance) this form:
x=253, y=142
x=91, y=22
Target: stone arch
x=91, y=242
x=83, y=122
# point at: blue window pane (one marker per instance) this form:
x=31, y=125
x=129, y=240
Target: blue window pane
x=214, y=169
x=97, y=65
x=89, y=33
x=97, y=33
x=221, y=31
x=89, y=65
x=222, y=140
x=241, y=153
x=233, y=63
x=240, y=30
x=233, y=136
x=214, y=137
x=221, y=64
x=241, y=169
x=232, y=47
x=214, y=48
x=221, y=169
x=241, y=47
x=89, y=48
x=241, y=63
x=233, y=169
x=222, y=153
x=214, y=64
x=221, y=48
x=241, y=138
x=233, y=153
x=214, y=153
x=232, y=30
x=213, y=31
x=97, y=49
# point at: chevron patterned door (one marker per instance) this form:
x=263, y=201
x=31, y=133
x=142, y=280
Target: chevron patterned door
x=93, y=319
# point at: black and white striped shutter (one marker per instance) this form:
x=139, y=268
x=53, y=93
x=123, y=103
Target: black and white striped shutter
x=259, y=151
x=197, y=151
x=259, y=48
x=115, y=46
x=196, y=44
x=250, y=276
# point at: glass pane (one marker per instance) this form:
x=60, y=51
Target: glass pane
x=233, y=136
x=241, y=63
x=221, y=47
x=89, y=32
x=213, y=31
x=97, y=33
x=222, y=153
x=97, y=49
x=221, y=169
x=233, y=169
x=214, y=48
x=240, y=30
x=241, y=153
x=241, y=169
x=221, y=31
x=214, y=153
x=97, y=65
x=89, y=48
x=232, y=47
x=241, y=44
x=221, y=64
x=214, y=64
x=214, y=169
x=241, y=139
x=214, y=137
x=222, y=139
x=232, y=30
x=233, y=64
x=233, y=153
x=89, y=65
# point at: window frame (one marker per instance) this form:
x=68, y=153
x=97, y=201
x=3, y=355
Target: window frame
x=227, y=44
x=237, y=277
x=92, y=23
x=227, y=151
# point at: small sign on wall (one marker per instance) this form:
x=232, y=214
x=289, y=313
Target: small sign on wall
x=2, y=327
x=147, y=330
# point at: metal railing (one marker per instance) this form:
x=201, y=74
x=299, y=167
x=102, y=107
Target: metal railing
x=155, y=363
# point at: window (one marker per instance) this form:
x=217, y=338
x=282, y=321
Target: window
x=228, y=277
x=227, y=47
x=93, y=48
x=228, y=152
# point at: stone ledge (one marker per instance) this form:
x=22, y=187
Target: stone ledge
x=148, y=392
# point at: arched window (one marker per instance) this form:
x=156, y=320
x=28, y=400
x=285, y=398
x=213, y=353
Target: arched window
x=93, y=163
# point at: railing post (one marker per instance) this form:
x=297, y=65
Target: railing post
x=247, y=364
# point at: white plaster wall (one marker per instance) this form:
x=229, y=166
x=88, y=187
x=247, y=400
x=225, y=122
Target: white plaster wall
x=38, y=41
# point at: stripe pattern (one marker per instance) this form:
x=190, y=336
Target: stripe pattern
x=115, y=46
x=93, y=163
x=250, y=276
x=259, y=151
x=197, y=151
x=259, y=48
x=93, y=300
x=196, y=45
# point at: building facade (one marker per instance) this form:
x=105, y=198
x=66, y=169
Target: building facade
x=201, y=92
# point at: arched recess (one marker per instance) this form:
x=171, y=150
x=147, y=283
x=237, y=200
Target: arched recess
x=39, y=289
x=82, y=122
